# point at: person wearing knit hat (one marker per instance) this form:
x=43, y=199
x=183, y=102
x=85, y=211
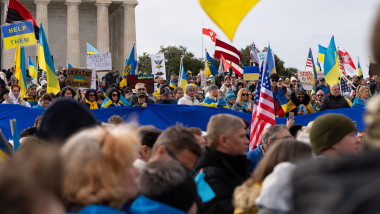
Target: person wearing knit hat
x=213, y=99
x=334, y=135
x=189, y=98
x=231, y=99
x=31, y=95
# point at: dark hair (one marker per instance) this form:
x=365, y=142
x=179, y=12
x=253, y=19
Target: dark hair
x=46, y=97
x=149, y=136
x=274, y=76
x=30, y=131
x=116, y=120
x=294, y=129
x=63, y=91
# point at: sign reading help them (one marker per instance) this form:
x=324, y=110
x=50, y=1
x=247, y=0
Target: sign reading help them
x=19, y=34
x=148, y=80
x=306, y=79
x=80, y=78
x=99, y=62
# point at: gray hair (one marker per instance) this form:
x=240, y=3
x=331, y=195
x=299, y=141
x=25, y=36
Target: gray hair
x=270, y=134
x=222, y=124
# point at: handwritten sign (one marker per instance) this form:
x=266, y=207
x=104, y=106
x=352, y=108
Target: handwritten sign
x=306, y=79
x=99, y=62
x=148, y=80
x=19, y=34
x=81, y=78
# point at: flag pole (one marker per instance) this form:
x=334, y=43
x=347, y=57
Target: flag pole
x=202, y=38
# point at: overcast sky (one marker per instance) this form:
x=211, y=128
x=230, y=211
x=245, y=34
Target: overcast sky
x=290, y=26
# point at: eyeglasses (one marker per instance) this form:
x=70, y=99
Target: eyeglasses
x=320, y=95
x=91, y=95
x=244, y=94
x=294, y=80
x=114, y=95
x=274, y=80
x=140, y=89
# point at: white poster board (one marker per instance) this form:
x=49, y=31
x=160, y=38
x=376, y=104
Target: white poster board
x=203, y=79
x=158, y=65
x=99, y=62
x=306, y=79
x=262, y=56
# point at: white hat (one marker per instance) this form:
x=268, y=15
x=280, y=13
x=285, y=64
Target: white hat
x=293, y=79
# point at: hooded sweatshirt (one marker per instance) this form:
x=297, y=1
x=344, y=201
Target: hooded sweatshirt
x=13, y=100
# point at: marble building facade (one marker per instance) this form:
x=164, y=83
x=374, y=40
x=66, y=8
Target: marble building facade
x=108, y=25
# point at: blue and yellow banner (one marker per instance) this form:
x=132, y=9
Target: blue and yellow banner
x=19, y=34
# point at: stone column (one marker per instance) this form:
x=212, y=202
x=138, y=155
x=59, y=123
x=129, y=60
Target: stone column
x=42, y=14
x=73, y=54
x=7, y=59
x=129, y=27
x=103, y=41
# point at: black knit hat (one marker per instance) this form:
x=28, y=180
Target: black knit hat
x=329, y=129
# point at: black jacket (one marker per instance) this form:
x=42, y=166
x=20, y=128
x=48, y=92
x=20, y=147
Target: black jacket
x=134, y=101
x=332, y=102
x=223, y=172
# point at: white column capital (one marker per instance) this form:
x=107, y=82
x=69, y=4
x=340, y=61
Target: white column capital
x=130, y=3
x=103, y=2
x=42, y=2
x=73, y=2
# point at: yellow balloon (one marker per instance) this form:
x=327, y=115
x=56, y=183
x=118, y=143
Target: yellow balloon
x=227, y=14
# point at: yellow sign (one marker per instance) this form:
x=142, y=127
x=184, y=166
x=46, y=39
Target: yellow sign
x=19, y=34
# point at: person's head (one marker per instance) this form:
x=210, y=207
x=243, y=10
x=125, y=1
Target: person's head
x=178, y=143
x=334, y=90
x=4, y=94
x=372, y=122
x=166, y=181
x=67, y=92
x=243, y=96
x=128, y=93
x=213, y=90
x=231, y=98
x=275, y=134
x=361, y=135
x=174, y=77
x=141, y=97
x=140, y=87
x=15, y=90
x=334, y=135
x=98, y=166
x=116, y=120
x=197, y=132
x=45, y=100
x=320, y=95
x=189, y=90
x=227, y=80
x=300, y=94
x=293, y=81
x=313, y=97
x=30, y=131
x=226, y=133
x=148, y=139
x=363, y=82
x=101, y=98
x=295, y=130
x=32, y=89
x=322, y=81
x=284, y=151
x=91, y=95
x=362, y=92
x=274, y=78
x=178, y=93
x=165, y=94
x=114, y=95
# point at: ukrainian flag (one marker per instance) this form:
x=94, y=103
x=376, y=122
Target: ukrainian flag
x=270, y=61
x=331, y=64
x=172, y=84
x=360, y=73
x=318, y=67
x=124, y=101
x=182, y=74
x=20, y=69
x=106, y=102
x=130, y=67
x=91, y=49
x=32, y=69
x=210, y=68
x=15, y=136
x=46, y=63
x=322, y=52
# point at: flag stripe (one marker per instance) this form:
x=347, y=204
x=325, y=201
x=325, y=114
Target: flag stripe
x=229, y=52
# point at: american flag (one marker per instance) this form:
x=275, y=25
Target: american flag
x=344, y=86
x=341, y=65
x=263, y=110
x=310, y=64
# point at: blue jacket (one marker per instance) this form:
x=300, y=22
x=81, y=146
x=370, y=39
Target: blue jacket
x=38, y=107
x=325, y=89
x=358, y=103
x=98, y=209
x=144, y=205
x=255, y=156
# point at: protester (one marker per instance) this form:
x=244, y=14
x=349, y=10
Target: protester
x=113, y=95
x=231, y=100
x=362, y=96
x=115, y=120
x=91, y=99
x=178, y=143
x=101, y=98
x=15, y=97
x=214, y=100
x=178, y=93
x=223, y=162
x=293, y=84
x=320, y=96
x=279, y=98
x=299, y=103
x=31, y=95
x=189, y=98
x=141, y=99
x=270, y=137
x=227, y=86
x=148, y=139
x=140, y=87
x=165, y=97
x=245, y=195
x=44, y=101
x=374, y=84
x=243, y=102
x=128, y=93
x=165, y=187
x=334, y=100
x=4, y=95
x=197, y=132
x=322, y=85
x=67, y=92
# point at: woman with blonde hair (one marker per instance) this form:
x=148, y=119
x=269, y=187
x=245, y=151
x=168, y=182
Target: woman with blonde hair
x=243, y=101
x=98, y=175
x=362, y=95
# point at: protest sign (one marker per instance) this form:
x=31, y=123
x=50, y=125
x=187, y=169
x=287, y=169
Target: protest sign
x=372, y=69
x=81, y=78
x=320, y=74
x=148, y=80
x=306, y=79
x=203, y=79
x=99, y=62
x=158, y=65
x=19, y=34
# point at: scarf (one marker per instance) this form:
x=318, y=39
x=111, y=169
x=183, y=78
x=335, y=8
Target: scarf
x=93, y=104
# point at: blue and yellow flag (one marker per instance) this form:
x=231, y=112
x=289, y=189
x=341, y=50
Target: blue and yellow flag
x=210, y=68
x=318, y=67
x=20, y=69
x=91, y=49
x=172, y=84
x=321, y=54
x=32, y=69
x=106, y=102
x=360, y=73
x=331, y=64
x=182, y=75
x=15, y=135
x=205, y=191
x=69, y=65
x=129, y=67
x=270, y=61
x=124, y=101
x=19, y=34
x=46, y=63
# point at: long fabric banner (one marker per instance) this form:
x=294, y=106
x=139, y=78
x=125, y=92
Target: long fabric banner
x=160, y=116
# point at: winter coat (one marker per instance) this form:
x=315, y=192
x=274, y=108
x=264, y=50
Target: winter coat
x=255, y=155
x=187, y=100
x=223, y=172
x=32, y=100
x=134, y=101
x=239, y=107
x=332, y=102
x=210, y=102
x=145, y=205
x=358, y=103
x=167, y=102
x=294, y=105
x=13, y=100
